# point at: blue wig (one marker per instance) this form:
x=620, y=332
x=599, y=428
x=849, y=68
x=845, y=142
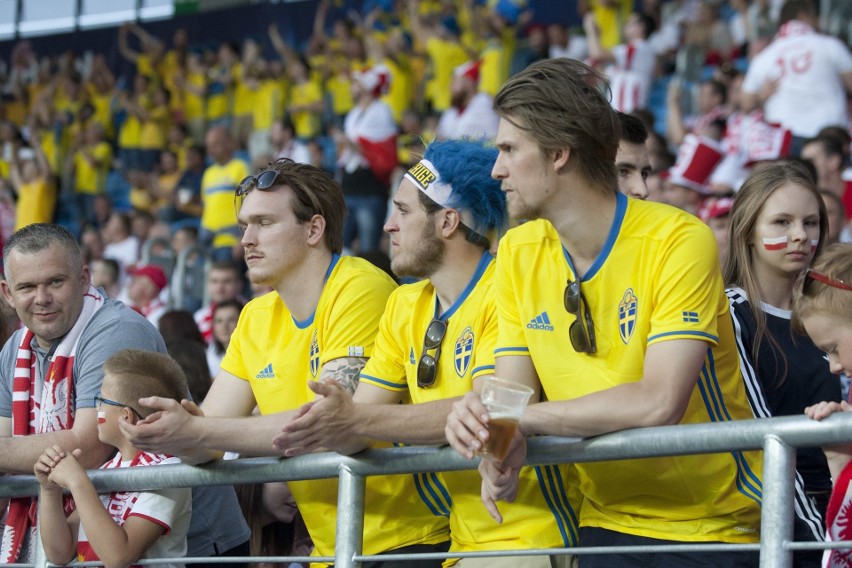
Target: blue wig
x=466, y=165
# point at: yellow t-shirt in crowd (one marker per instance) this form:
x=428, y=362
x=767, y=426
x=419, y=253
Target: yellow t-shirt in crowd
x=218, y=185
x=444, y=56
x=91, y=178
x=36, y=203
x=657, y=279
x=544, y=514
x=268, y=104
x=306, y=123
x=278, y=355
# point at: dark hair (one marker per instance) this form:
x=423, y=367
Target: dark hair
x=830, y=145
x=145, y=373
x=191, y=357
x=633, y=130
x=563, y=103
x=314, y=193
x=236, y=304
x=179, y=324
x=793, y=9
x=111, y=266
x=40, y=236
x=718, y=88
x=647, y=22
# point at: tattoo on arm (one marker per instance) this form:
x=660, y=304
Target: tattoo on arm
x=345, y=371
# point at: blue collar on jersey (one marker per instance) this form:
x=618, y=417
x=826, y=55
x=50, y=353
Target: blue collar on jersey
x=484, y=261
x=620, y=210
x=308, y=322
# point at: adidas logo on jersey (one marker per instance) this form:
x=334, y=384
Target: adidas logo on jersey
x=266, y=373
x=541, y=321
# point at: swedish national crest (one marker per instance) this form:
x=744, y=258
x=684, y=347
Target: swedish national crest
x=314, y=355
x=627, y=315
x=464, y=351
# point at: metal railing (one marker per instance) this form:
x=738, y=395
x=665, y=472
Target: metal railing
x=777, y=437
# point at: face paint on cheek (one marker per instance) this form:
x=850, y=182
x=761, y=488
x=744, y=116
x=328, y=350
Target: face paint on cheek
x=814, y=245
x=778, y=243
x=101, y=417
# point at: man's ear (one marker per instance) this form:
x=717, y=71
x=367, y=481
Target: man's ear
x=316, y=229
x=450, y=222
x=560, y=159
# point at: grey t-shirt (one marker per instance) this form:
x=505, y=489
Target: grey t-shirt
x=114, y=327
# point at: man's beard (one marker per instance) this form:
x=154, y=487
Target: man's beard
x=425, y=260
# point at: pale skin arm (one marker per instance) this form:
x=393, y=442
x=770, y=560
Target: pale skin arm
x=347, y=424
x=596, y=50
x=836, y=456
x=224, y=422
x=19, y=455
x=59, y=537
x=116, y=546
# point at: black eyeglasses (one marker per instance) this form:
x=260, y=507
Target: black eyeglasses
x=582, y=331
x=427, y=368
x=101, y=400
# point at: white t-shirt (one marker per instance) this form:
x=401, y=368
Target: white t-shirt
x=374, y=123
x=810, y=94
x=631, y=75
x=170, y=508
x=477, y=121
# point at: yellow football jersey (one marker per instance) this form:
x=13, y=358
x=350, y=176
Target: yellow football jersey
x=543, y=515
x=278, y=355
x=217, y=194
x=656, y=279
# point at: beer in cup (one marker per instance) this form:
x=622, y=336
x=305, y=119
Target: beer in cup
x=505, y=402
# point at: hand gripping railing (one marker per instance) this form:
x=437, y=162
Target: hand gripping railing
x=777, y=437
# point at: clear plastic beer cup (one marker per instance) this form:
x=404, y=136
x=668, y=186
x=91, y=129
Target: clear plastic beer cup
x=505, y=402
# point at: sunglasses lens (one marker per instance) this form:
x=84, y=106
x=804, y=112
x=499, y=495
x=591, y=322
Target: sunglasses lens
x=572, y=297
x=435, y=334
x=266, y=179
x=426, y=371
x=579, y=340
x=245, y=185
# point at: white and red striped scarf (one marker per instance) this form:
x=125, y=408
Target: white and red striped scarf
x=838, y=520
x=38, y=410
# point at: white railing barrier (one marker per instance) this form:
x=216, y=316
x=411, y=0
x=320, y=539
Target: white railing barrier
x=777, y=437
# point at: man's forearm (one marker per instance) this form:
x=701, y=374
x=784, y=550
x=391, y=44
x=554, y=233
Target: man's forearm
x=249, y=436
x=20, y=454
x=405, y=423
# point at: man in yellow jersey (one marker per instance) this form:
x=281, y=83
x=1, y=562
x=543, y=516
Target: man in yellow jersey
x=616, y=308
x=218, y=226
x=436, y=339
x=319, y=323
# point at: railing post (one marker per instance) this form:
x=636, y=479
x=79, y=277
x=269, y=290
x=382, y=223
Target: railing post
x=350, y=517
x=776, y=524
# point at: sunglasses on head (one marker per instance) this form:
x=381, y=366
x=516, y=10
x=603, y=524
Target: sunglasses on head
x=262, y=181
x=582, y=331
x=427, y=368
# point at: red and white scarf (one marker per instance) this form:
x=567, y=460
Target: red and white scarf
x=838, y=520
x=35, y=410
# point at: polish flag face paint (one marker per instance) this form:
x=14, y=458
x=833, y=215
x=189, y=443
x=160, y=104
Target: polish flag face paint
x=101, y=417
x=814, y=244
x=778, y=243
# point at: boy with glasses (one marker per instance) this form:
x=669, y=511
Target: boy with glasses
x=436, y=340
x=615, y=308
x=121, y=527
x=319, y=323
